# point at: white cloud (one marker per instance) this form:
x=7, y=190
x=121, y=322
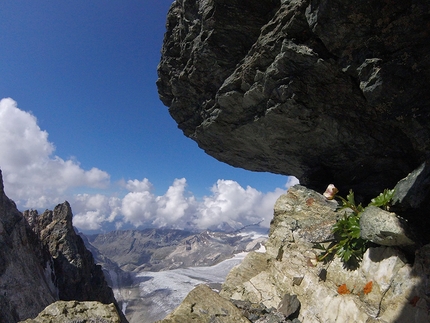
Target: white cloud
x=174, y=206
x=35, y=178
x=232, y=204
x=91, y=212
x=291, y=182
x=139, y=186
x=32, y=175
x=138, y=207
x=229, y=203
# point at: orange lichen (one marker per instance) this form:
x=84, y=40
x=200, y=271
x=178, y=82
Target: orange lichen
x=367, y=288
x=342, y=289
x=310, y=201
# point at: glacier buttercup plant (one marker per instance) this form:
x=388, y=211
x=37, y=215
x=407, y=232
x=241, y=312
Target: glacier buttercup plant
x=348, y=244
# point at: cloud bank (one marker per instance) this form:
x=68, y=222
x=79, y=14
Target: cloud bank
x=36, y=178
x=31, y=173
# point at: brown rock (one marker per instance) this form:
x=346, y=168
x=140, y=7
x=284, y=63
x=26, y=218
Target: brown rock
x=203, y=305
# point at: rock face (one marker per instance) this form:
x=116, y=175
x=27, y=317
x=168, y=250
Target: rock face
x=26, y=267
x=384, y=288
x=288, y=280
x=203, y=305
x=327, y=91
x=76, y=275
x=43, y=260
x=383, y=228
x=73, y=311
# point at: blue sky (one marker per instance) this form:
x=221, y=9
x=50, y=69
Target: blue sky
x=83, y=122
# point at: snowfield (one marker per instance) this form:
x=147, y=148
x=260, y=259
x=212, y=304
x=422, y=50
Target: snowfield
x=166, y=289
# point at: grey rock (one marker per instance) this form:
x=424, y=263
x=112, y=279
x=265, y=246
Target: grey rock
x=412, y=201
x=327, y=91
x=80, y=279
x=26, y=267
x=383, y=288
x=289, y=305
x=203, y=305
x=414, y=189
x=310, y=216
x=43, y=260
x=77, y=312
x=384, y=228
x=77, y=277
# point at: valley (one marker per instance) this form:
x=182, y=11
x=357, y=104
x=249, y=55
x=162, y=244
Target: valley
x=152, y=270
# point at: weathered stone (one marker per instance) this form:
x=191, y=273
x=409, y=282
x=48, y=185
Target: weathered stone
x=411, y=191
x=302, y=215
x=253, y=264
x=78, y=278
x=289, y=305
x=412, y=200
x=384, y=228
x=203, y=305
x=75, y=312
x=81, y=279
x=384, y=287
x=42, y=260
x=327, y=91
x=25, y=266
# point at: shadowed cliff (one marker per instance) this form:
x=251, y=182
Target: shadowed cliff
x=327, y=91
x=43, y=260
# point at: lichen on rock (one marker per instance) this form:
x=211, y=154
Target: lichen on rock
x=77, y=312
x=386, y=287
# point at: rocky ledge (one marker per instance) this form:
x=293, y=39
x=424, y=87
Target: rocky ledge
x=328, y=91
x=287, y=283
x=77, y=312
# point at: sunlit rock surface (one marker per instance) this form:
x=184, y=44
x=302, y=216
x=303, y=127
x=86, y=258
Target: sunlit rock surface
x=203, y=305
x=385, y=287
x=73, y=311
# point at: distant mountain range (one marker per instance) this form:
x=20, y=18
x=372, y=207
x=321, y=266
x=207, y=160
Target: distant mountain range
x=152, y=270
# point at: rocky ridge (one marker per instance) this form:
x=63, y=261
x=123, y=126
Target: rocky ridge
x=164, y=249
x=26, y=267
x=43, y=260
x=74, y=311
x=77, y=277
x=288, y=284
x=327, y=91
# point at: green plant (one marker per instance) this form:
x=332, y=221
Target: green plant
x=348, y=244
x=384, y=199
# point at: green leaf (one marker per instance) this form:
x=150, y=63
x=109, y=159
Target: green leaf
x=319, y=246
x=350, y=247
x=347, y=255
x=383, y=199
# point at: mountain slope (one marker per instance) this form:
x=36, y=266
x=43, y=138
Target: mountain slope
x=43, y=260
